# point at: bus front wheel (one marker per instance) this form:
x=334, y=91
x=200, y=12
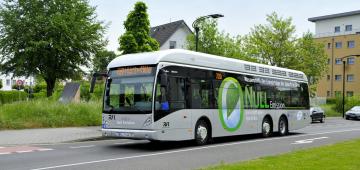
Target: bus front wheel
x=202, y=132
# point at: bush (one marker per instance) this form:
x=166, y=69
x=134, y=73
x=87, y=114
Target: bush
x=12, y=96
x=349, y=103
x=330, y=100
x=49, y=113
x=85, y=94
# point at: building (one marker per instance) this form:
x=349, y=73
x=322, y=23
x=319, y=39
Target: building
x=171, y=35
x=340, y=34
x=8, y=81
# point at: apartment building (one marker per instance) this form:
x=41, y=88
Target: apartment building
x=340, y=34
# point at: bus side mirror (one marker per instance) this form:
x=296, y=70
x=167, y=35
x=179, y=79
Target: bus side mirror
x=93, y=80
x=164, y=79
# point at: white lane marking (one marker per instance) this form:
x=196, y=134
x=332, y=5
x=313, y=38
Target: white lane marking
x=26, y=151
x=5, y=153
x=124, y=143
x=191, y=149
x=45, y=149
x=306, y=141
x=85, y=146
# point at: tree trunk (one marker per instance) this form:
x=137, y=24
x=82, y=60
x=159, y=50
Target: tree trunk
x=50, y=85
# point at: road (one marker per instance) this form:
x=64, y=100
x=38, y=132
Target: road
x=132, y=154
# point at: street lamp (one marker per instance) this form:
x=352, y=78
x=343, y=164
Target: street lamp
x=196, y=26
x=343, y=91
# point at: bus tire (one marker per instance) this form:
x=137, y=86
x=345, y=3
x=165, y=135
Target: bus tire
x=266, y=127
x=283, y=126
x=202, y=132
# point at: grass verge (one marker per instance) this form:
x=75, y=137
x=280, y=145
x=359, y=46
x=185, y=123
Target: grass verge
x=48, y=113
x=344, y=156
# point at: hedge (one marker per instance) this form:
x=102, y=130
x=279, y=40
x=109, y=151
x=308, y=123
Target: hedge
x=12, y=96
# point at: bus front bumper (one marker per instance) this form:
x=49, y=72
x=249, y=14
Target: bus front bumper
x=130, y=134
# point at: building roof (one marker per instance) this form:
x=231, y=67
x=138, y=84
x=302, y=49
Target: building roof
x=163, y=32
x=208, y=61
x=345, y=14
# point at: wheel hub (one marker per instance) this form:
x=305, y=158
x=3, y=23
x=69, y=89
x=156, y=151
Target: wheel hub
x=202, y=132
x=266, y=127
x=282, y=127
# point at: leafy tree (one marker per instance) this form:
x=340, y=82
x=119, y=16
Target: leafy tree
x=1, y=85
x=49, y=38
x=212, y=41
x=102, y=59
x=137, y=36
x=276, y=44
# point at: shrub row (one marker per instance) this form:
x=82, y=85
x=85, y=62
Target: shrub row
x=12, y=96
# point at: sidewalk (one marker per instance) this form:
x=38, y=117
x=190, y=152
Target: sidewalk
x=48, y=135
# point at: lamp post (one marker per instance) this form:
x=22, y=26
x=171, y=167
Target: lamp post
x=343, y=90
x=196, y=27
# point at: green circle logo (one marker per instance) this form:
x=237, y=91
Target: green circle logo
x=231, y=104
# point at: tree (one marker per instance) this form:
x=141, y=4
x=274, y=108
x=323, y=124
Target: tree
x=276, y=44
x=137, y=36
x=102, y=59
x=212, y=41
x=1, y=85
x=49, y=38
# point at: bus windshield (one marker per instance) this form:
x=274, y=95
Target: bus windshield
x=129, y=90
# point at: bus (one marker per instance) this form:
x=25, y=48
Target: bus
x=176, y=95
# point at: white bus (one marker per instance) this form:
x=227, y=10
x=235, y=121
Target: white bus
x=175, y=95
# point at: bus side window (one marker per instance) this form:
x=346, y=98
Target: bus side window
x=176, y=93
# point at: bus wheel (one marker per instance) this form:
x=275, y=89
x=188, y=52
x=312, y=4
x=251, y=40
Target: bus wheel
x=202, y=134
x=266, y=127
x=283, y=126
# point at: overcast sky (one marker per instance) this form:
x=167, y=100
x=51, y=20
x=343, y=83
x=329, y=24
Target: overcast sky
x=240, y=15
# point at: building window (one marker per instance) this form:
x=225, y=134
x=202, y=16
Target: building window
x=348, y=28
x=328, y=77
x=329, y=45
x=329, y=61
x=328, y=93
x=337, y=93
x=349, y=93
x=351, y=60
x=172, y=44
x=351, y=44
x=337, y=77
x=337, y=29
x=338, y=44
x=8, y=82
x=350, y=78
x=338, y=61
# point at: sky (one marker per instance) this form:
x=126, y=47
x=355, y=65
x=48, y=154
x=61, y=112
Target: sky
x=239, y=15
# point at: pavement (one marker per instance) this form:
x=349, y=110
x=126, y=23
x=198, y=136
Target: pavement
x=140, y=154
x=48, y=135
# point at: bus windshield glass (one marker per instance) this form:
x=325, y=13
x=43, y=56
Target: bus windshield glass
x=129, y=90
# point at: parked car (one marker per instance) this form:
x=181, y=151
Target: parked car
x=317, y=114
x=353, y=113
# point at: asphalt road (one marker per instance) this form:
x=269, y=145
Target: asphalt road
x=131, y=154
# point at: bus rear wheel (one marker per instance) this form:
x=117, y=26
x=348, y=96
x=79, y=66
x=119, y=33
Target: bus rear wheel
x=266, y=127
x=283, y=126
x=202, y=133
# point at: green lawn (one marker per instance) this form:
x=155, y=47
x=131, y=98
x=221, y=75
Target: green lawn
x=341, y=156
x=45, y=113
